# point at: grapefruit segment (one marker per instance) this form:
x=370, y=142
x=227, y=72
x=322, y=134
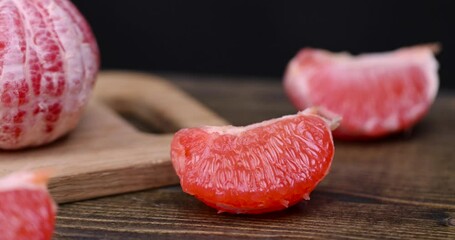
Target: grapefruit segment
x=259, y=168
x=376, y=94
x=26, y=209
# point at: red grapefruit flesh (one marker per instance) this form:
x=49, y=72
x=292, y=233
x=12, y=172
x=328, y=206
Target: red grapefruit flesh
x=376, y=94
x=27, y=211
x=48, y=64
x=259, y=168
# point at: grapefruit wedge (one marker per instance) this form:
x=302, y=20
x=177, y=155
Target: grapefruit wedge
x=376, y=94
x=27, y=211
x=259, y=168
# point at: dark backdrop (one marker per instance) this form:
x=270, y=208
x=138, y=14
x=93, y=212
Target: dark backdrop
x=259, y=37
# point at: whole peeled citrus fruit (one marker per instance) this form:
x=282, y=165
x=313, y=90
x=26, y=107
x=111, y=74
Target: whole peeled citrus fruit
x=27, y=211
x=259, y=168
x=376, y=94
x=48, y=64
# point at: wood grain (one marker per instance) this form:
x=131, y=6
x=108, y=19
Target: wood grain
x=401, y=187
x=170, y=214
x=105, y=155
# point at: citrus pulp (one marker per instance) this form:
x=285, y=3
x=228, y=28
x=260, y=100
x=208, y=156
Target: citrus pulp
x=259, y=168
x=27, y=211
x=376, y=94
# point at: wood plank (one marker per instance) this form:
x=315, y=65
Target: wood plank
x=168, y=213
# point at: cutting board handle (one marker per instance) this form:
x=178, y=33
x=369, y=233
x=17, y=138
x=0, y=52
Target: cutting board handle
x=153, y=100
x=105, y=154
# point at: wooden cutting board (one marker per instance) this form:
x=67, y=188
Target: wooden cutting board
x=106, y=155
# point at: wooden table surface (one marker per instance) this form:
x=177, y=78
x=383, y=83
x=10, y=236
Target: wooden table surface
x=402, y=187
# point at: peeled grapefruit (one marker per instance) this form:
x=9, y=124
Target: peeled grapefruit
x=27, y=211
x=259, y=168
x=48, y=63
x=376, y=94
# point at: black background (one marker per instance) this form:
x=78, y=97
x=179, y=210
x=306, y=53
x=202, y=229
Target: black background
x=257, y=38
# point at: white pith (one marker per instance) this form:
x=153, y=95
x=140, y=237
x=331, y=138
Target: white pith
x=235, y=130
x=20, y=180
x=79, y=64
